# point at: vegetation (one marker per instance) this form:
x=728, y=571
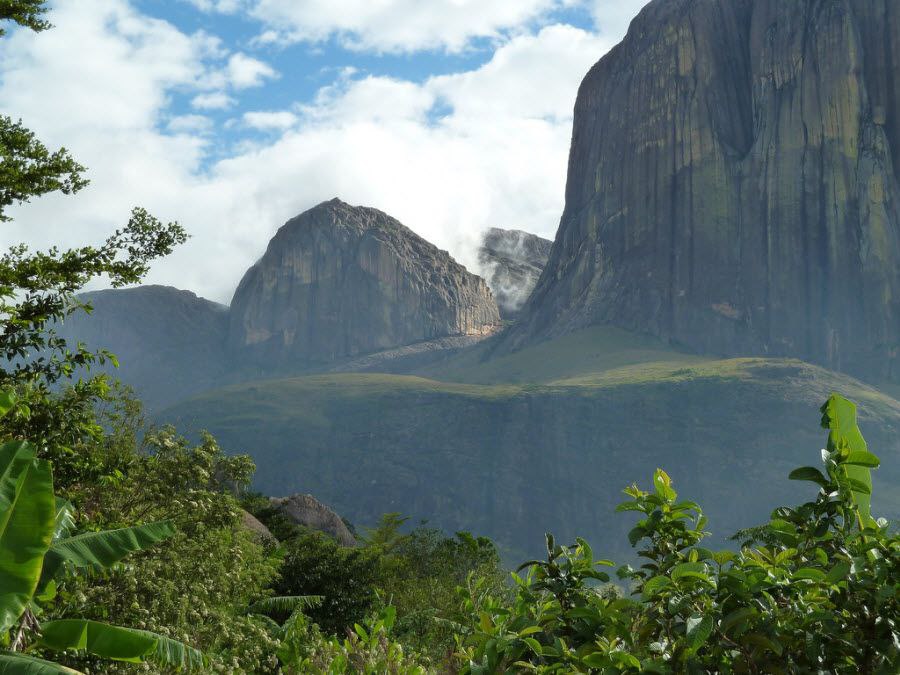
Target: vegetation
x=122, y=546
x=558, y=448
x=821, y=597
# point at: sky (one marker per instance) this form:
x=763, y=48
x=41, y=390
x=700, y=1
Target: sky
x=232, y=116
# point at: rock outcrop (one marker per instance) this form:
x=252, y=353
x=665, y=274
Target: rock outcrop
x=309, y=512
x=340, y=281
x=170, y=343
x=512, y=262
x=733, y=186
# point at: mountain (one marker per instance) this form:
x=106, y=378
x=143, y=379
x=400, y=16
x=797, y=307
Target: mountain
x=512, y=459
x=342, y=281
x=512, y=261
x=170, y=343
x=732, y=185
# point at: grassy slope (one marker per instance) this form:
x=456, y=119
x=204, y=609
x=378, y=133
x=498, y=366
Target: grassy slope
x=513, y=459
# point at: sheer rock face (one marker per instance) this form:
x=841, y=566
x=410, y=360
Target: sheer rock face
x=309, y=512
x=170, y=343
x=512, y=261
x=341, y=281
x=732, y=185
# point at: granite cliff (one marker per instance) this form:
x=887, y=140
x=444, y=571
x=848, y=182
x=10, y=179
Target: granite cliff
x=339, y=281
x=732, y=185
x=170, y=343
x=512, y=262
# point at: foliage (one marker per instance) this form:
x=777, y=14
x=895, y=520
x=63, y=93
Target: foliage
x=822, y=597
x=346, y=578
x=367, y=649
x=37, y=549
x=195, y=586
x=38, y=289
x=26, y=13
x=420, y=577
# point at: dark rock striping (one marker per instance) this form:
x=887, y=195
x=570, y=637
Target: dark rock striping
x=309, y=512
x=341, y=281
x=512, y=262
x=732, y=185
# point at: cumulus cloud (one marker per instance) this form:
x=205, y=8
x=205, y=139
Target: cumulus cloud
x=450, y=156
x=613, y=16
x=268, y=120
x=217, y=100
x=244, y=71
x=389, y=25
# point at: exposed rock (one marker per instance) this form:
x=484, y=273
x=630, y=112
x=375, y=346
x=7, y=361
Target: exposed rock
x=250, y=522
x=308, y=511
x=170, y=343
x=512, y=261
x=732, y=185
x=341, y=281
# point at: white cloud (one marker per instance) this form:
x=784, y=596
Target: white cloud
x=449, y=157
x=389, y=25
x=613, y=16
x=217, y=100
x=190, y=124
x=244, y=71
x=270, y=120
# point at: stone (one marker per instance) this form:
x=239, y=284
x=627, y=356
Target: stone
x=309, y=512
x=170, y=343
x=512, y=262
x=732, y=185
x=341, y=281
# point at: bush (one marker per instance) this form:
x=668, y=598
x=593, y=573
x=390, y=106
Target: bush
x=821, y=596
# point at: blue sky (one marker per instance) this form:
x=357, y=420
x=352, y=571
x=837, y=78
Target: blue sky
x=232, y=116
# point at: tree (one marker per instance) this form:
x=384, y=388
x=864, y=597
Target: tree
x=819, y=594
x=38, y=290
x=37, y=548
x=25, y=13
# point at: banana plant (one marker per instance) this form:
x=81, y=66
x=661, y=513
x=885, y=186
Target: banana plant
x=37, y=548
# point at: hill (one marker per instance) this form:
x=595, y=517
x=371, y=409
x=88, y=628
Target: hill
x=513, y=460
x=170, y=343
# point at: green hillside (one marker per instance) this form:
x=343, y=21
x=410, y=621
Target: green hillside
x=590, y=350
x=513, y=460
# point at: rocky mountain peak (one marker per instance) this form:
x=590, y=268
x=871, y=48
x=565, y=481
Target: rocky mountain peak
x=339, y=281
x=732, y=185
x=512, y=262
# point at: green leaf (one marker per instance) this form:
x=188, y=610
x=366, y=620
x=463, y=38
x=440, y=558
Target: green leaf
x=654, y=586
x=27, y=520
x=100, y=639
x=100, y=550
x=65, y=519
x=530, y=630
x=863, y=458
x=662, y=484
x=7, y=402
x=173, y=653
x=736, y=617
x=534, y=645
x=690, y=569
x=838, y=572
x=286, y=603
x=809, y=573
x=809, y=473
x=839, y=417
x=20, y=664
x=698, y=631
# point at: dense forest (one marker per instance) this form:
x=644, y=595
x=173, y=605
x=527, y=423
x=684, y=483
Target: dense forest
x=124, y=546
